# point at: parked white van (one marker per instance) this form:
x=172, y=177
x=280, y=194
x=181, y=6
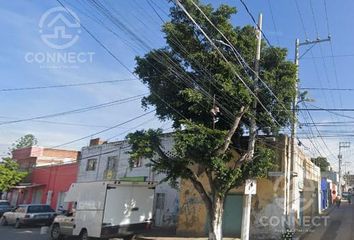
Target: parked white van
x=106, y=209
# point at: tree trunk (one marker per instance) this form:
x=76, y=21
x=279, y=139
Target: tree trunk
x=215, y=221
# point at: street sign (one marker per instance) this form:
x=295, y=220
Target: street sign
x=250, y=186
x=275, y=174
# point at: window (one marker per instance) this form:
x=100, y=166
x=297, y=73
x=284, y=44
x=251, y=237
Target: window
x=111, y=163
x=39, y=209
x=4, y=204
x=91, y=164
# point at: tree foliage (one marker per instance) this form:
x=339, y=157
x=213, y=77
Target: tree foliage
x=10, y=174
x=27, y=140
x=183, y=78
x=321, y=162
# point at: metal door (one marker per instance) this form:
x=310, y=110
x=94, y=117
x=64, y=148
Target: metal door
x=159, y=209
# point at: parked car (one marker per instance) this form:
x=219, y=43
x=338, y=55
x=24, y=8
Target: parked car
x=107, y=209
x=345, y=195
x=29, y=214
x=4, y=207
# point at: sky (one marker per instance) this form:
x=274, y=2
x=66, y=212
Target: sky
x=26, y=52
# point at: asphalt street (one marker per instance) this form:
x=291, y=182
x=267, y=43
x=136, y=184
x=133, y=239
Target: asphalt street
x=25, y=233
x=339, y=226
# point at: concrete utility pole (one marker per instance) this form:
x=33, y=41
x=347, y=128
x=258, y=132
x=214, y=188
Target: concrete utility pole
x=298, y=44
x=341, y=145
x=247, y=201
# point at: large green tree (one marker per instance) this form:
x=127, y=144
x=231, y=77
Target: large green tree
x=322, y=163
x=10, y=174
x=183, y=78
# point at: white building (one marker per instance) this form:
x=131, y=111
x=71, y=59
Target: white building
x=110, y=161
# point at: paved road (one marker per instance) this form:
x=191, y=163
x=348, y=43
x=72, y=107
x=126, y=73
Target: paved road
x=340, y=225
x=10, y=233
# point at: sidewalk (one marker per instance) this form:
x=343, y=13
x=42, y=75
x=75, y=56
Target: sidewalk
x=180, y=238
x=170, y=234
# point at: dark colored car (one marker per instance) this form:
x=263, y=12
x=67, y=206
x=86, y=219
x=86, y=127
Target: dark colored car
x=345, y=195
x=4, y=207
x=29, y=214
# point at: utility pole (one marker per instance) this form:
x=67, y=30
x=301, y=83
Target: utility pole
x=293, y=166
x=341, y=145
x=247, y=202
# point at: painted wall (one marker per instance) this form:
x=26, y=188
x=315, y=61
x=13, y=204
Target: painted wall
x=55, y=180
x=278, y=198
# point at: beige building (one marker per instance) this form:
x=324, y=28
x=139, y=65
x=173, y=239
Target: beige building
x=290, y=192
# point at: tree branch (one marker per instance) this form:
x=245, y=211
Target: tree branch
x=232, y=131
x=200, y=188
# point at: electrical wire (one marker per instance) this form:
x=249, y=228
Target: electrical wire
x=65, y=85
x=105, y=130
x=79, y=110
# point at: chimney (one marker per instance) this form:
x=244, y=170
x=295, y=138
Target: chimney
x=96, y=141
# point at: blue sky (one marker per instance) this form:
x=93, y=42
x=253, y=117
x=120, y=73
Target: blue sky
x=19, y=22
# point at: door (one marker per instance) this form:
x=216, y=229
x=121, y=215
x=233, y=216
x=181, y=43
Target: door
x=159, y=209
x=14, y=197
x=232, y=218
x=67, y=225
x=60, y=201
x=37, y=196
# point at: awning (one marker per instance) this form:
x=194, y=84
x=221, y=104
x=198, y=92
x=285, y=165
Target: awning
x=28, y=186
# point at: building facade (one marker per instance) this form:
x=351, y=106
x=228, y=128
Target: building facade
x=110, y=161
x=49, y=185
x=284, y=198
x=50, y=174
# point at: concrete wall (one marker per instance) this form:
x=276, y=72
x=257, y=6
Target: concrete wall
x=267, y=205
x=56, y=179
x=276, y=201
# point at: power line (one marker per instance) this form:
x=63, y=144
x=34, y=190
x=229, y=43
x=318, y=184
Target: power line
x=255, y=22
x=105, y=130
x=224, y=58
x=332, y=112
x=117, y=59
x=330, y=56
x=131, y=129
x=329, y=123
x=273, y=21
x=327, y=89
x=79, y=110
x=327, y=109
x=65, y=85
x=187, y=79
x=62, y=123
x=304, y=103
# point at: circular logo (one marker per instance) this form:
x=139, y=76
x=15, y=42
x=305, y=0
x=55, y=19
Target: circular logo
x=59, y=28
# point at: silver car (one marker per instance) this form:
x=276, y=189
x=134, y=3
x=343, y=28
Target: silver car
x=29, y=214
